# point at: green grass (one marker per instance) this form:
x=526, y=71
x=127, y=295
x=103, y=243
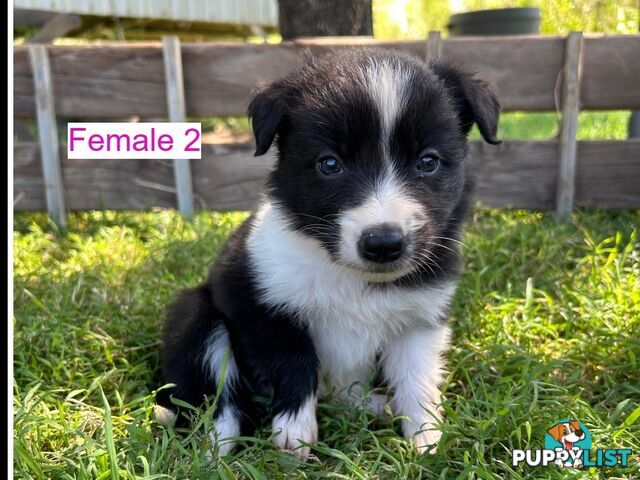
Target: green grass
x=607, y=125
x=545, y=323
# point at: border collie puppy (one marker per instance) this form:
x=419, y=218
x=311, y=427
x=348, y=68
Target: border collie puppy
x=347, y=269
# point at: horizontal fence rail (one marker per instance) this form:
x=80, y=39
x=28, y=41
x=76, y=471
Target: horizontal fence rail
x=121, y=80
x=520, y=174
x=116, y=81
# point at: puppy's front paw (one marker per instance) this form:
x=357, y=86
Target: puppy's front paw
x=427, y=440
x=164, y=416
x=226, y=426
x=421, y=428
x=293, y=429
x=377, y=403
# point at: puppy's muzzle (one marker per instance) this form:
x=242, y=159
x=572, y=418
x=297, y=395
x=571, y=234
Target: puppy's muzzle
x=382, y=243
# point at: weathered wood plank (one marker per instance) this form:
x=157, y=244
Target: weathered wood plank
x=178, y=113
x=524, y=70
x=434, y=46
x=22, y=16
x=98, y=82
x=28, y=182
x=519, y=174
x=229, y=177
x=48, y=133
x=95, y=184
x=608, y=174
x=515, y=174
x=57, y=26
x=111, y=81
x=611, y=73
x=565, y=188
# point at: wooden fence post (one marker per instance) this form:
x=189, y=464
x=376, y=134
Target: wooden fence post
x=434, y=46
x=48, y=133
x=568, y=143
x=177, y=113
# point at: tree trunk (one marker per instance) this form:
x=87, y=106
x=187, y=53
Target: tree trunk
x=324, y=18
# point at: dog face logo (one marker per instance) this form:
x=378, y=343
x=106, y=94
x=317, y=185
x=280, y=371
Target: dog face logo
x=570, y=435
x=567, y=433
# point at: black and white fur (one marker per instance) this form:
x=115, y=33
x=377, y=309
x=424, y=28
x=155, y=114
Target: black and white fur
x=293, y=308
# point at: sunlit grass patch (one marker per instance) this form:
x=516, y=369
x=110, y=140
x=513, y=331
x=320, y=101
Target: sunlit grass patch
x=607, y=125
x=545, y=326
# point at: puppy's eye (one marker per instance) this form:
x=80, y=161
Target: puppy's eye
x=329, y=166
x=428, y=163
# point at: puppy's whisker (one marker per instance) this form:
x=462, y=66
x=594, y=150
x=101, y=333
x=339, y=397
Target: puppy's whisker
x=426, y=259
x=316, y=217
x=440, y=245
x=450, y=240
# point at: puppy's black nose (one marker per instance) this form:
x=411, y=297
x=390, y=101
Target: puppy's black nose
x=382, y=243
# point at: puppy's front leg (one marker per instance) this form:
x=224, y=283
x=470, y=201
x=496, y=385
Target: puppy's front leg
x=413, y=368
x=286, y=358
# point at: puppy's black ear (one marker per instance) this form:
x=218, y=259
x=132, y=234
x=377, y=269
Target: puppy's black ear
x=266, y=111
x=476, y=100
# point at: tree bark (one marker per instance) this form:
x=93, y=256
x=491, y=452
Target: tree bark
x=324, y=18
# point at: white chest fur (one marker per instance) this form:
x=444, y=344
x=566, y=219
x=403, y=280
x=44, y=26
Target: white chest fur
x=349, y=319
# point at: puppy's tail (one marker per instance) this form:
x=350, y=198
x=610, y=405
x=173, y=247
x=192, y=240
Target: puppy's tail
x=190, y=320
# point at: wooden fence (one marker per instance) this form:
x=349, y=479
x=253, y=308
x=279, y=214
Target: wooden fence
x=538, y=73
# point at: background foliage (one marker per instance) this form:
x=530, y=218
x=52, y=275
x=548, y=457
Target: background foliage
x=414, y=18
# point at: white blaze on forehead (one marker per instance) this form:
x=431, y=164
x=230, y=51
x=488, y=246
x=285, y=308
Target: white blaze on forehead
x=387, y=85
x=388, y=203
